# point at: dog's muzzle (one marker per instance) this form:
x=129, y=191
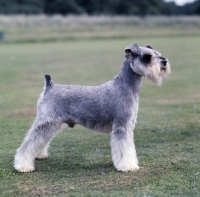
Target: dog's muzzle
x=163, y=63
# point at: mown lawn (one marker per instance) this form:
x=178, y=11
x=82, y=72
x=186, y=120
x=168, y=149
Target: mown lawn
x=167, y=133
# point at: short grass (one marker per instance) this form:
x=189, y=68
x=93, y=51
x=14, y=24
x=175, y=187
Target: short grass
x=167, y=133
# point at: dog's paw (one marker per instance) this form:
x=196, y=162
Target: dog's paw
x=130, y=168
x=42, y=156
x=24, y=168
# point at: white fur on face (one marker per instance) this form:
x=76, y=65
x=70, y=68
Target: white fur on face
x=154, y=71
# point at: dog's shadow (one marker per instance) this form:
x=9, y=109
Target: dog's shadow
x=80, y=157
x=71, y=165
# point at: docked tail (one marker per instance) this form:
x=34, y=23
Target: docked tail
x=48, y=83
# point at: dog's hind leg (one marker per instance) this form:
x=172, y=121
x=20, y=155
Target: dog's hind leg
x=35, y=144
x=123, y=149
x=44, y=152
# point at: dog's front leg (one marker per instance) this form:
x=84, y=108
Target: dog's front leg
x=123, y=149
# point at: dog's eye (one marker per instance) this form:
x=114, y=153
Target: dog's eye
x=146, y=58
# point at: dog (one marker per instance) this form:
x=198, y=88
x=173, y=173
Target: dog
x=109, y=108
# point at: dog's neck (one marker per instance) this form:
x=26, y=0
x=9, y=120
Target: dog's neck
x=128, y=78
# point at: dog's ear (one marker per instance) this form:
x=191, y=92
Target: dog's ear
x=148, y=46
x=132, y=50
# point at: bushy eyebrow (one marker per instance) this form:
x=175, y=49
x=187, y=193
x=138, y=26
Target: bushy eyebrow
x=157, y=53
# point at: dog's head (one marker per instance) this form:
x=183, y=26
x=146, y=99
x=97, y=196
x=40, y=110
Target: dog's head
x=147, y=62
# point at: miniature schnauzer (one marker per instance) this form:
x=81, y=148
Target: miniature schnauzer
x=109, y=108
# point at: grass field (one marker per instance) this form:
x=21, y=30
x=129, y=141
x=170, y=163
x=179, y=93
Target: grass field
x=167, y=133
x=22, y=28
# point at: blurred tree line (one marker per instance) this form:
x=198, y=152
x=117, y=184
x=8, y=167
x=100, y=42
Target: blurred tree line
x=94, y=7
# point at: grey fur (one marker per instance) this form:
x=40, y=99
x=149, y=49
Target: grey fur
x=94, y=107
x=109, y=108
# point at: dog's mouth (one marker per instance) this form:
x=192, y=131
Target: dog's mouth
x=163, y=68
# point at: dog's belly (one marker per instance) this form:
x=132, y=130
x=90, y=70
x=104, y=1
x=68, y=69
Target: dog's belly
x=103, y=128
x=100, y=126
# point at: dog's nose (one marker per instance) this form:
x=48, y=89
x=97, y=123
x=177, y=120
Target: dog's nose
x=164, y=62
